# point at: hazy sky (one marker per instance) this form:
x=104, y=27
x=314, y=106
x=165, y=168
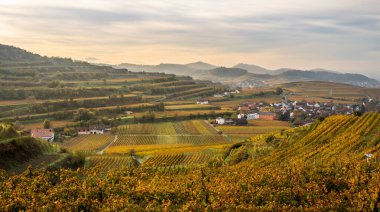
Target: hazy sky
x=342, y=35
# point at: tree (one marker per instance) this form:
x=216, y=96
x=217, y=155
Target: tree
x=279, y=91
x=84, y=115
x=47, y=124
x=161, y=106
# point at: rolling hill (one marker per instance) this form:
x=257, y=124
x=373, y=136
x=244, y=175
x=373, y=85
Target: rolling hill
x=332, y=165
x=254, y=73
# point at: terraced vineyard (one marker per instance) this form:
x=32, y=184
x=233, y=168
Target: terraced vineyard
x=106, y=163
x=173, y=160
x=124, y=140
x=336, y=138
x=88, y=143
x=194, y=127
x=260, y=127
x=167, y=138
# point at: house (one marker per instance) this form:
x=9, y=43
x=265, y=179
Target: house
x=253, y=116
x=45, y=134
x=94, y=129
x=202, y=102
x=229, y=122
x=267, y=115
x=128, y=112
x=218, y=95
x=219, y=120
x=244, y=109
x=235, y=92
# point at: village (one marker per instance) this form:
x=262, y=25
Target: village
x=297, y=112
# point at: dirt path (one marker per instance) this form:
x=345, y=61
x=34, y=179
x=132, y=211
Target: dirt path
x=100, y=152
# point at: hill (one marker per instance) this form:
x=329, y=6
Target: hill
x=337, y=139
x=11, y=53
x=253, y=74
x=227, y=72
x=200, y=66
x=16, y=150
x=353, y=79
x=314, y=168
x=253, y=68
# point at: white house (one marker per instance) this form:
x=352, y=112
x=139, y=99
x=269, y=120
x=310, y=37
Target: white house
x=202, y=102
x=219, y=120
x=128, y=112
x=253, y=116
x=45, y=134
x=95, y=129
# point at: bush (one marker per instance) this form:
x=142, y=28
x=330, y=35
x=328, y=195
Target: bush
x=238, y=155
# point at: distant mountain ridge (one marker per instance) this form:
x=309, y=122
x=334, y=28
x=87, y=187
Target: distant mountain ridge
x=246, y=72
x=201, y=70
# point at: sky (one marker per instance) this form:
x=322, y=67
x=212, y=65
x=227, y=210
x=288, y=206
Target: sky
x=340, y=35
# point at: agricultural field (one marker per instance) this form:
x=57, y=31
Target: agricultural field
x=88, y=143
x=255, y=127
x=193, y=127
x=340, y=93
x=39, y=124
x=125, y=140
x=167, y=137
x=186, y=113
x=190, y=107
x=182, y=159
x=148, y=150
x=106, y=163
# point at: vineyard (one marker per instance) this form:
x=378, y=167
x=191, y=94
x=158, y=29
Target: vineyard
x=143, y=150
x=106, y=163
x=336, y=139
x=167, y=137
x=125, y=140
x=321, y=167
x=248, y=130
x=256, y=127
x=88, y=143
x=190, y=107
x=184, y=159
x=193, y=127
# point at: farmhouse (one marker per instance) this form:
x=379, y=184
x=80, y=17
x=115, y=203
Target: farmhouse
x=202, y=102
x=267, y=115
x=219, y=120
x=244, y=109
x=253, y=116
x=94, y=129
x=45, y=134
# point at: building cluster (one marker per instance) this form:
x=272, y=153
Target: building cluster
x=227, y=93
x=93, y=129
x=49, y=135
x=299, y=112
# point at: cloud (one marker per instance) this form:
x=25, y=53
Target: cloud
x=270, y=33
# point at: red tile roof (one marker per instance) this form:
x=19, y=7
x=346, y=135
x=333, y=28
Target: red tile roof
x=41, y=133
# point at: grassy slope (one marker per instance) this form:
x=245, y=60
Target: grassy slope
x=16, y=151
